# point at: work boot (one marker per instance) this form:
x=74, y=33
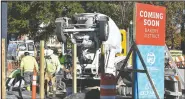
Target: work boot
x=54, y=94
x=47, y=94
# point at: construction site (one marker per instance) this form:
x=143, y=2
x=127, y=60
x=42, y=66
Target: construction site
x=90, y=57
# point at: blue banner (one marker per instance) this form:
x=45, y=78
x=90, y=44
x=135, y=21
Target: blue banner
x=153, y=57
x=4, y=19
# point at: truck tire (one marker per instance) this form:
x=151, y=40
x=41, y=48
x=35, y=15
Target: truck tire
x=59, y=32
x=103, y=30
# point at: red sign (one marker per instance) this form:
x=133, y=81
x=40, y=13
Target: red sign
x=149, y=24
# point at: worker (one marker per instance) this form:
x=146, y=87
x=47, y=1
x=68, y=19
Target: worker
x=52, y=66
x=61, y=57
x=27, y=66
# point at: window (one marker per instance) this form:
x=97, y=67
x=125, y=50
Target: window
x=22, y=47
x=12, y=49
x=121, y=37
x=122, y=50
x=30, y=47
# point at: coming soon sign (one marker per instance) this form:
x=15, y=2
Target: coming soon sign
x=149, y=29
x=150, y=24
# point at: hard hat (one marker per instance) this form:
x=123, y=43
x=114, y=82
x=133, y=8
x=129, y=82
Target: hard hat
x=26, y=53
x=48, y=52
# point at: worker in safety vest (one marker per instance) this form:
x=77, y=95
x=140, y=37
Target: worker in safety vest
x=52, y=65
x=27, y=66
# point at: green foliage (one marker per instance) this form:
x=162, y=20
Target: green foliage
x=125, y=14
x=25, y=17
x=174, y=17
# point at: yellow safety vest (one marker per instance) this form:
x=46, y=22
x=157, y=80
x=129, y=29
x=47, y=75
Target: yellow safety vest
x=28, y=63
x=52, y=64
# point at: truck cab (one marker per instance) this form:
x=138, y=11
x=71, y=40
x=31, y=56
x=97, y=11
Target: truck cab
x=123, y=43
x=21, y=47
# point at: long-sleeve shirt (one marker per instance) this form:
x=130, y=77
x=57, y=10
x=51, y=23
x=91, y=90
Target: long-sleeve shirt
x=56, y=63
x=28, y=63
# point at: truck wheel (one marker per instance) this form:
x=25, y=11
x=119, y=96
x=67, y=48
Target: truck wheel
x=59, y=32
x=103, y=30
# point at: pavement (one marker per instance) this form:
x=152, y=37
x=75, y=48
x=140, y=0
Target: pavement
x=183, y=94
x=11, y=97
x=28, y=95
x=25, y=95
x=82, y=95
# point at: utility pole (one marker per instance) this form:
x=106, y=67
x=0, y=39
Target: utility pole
x=42, y=69
x=3, y=70
x=74, y=68
x=131, y=33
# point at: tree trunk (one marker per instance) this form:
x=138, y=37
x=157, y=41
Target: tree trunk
x=183, y=46
x=173, y=41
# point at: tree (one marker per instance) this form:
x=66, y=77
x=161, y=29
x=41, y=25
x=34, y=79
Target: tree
x=126, y=13
x=183, y=32
x=17, y=13
x=26, y=17
x=174, y=18
x=110, y=9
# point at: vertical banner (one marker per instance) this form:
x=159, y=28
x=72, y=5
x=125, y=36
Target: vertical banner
x=4, y=9
x=149, y=35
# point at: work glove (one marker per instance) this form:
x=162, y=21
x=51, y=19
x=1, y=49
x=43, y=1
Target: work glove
x=71, y=69
x=53, y=74
x=67, y=71
x=58, y=69
x=50, y=83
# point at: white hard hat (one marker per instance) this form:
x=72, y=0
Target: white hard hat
x=48, y=52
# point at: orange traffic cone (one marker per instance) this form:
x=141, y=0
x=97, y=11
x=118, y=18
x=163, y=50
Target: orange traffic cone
x=9, y=66
x=34, y=83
